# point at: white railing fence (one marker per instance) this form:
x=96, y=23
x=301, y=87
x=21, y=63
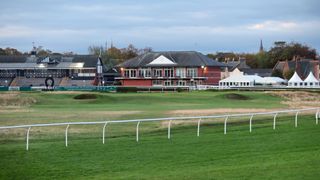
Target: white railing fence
x=170, y=119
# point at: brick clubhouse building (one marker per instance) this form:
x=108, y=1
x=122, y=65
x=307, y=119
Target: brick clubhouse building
x=177, y=68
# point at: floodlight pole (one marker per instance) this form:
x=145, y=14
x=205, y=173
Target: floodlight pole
x=137, y=131
x=225, y=124
x=169, y=129
x=296, y=119
x=103, y=132
x=67, y=135
x=274, y=120
x=27, y=145
x=198, y=131
x=250, y=122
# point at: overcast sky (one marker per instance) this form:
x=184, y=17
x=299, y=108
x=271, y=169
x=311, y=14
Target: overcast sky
x=200, y=25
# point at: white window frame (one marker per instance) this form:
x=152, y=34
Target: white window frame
x=181, y=83
x=168, y=72
x=130, y=73
x=157, y=72
x=145, y=72
x=192, y=72
x=159, y=82
x=168, y=83
x=181, y=72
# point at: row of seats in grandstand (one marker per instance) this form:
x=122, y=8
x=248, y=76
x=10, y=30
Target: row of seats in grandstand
x=29, y=81
x=24, y=81
x=5, y=81
x=4, y=74
x=43, y=75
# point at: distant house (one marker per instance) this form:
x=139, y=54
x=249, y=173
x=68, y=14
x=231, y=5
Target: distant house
x=231, y=65
x=302, y=66
x=173, y=68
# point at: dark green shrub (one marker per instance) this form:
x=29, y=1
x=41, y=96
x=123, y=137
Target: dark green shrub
x=234, y=96
x=86, y=96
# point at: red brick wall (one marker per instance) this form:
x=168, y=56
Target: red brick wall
x=212, y=73
x=136, y=82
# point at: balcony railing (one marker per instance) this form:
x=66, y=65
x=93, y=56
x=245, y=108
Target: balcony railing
x=163, y=77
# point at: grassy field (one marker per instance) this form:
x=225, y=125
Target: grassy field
x=284, y=153
x=44, y=107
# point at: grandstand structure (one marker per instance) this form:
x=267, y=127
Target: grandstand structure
x=170, y=68
x=32, y=70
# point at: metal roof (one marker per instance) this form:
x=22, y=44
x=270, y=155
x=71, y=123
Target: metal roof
x=27, y=62
x=303, y=66
x=179, y=59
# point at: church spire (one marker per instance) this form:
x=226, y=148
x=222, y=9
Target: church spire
x=261, y=46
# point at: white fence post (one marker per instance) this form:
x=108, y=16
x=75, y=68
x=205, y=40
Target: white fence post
x=198, y=131
x=103, y=132
x=137, y=131
x=225, y=124
x=250, y=122
x=169, y=129
x=317, y=116
x=27, y=145
x=274, y=120
x=296, y=119
x=67, y=135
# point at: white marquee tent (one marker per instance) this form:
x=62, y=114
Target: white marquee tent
x=273, y=80
x=241, y=81
x=311, y=81
x=295, y=81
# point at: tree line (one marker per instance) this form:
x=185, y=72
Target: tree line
x=111, y=56
x=280, y=51
x=40, y=52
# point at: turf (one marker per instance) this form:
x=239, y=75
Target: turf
x=284, y=153
x=49, y=107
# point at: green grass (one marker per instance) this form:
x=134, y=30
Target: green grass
x=49, y=105
x=284, y=153
x=159, y=101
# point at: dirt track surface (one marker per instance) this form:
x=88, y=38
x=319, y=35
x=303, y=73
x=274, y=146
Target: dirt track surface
x=200, y=112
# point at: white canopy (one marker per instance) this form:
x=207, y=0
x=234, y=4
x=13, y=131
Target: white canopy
x=241, y=81
x=311, y=78
x=273, y=80
x=295, y=78
x=244, y=78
